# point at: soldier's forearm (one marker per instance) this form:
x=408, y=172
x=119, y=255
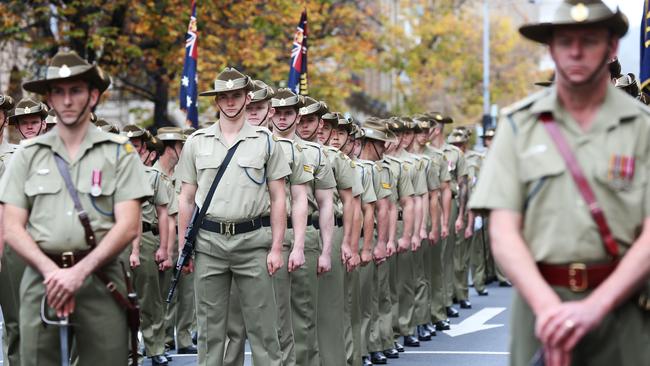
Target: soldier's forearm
x=171, y=235
x=446, y=206
x=348, y=215
x=2, y=237
x=417, y=214
x=368, y=225
x=163, y=226
x=355, y=233
x=278, y=213
x=407, y=217
x=299, y=215
x=392, y=231
x=434, y=208
x=462, y=196
x=22, y=243
x=325, y=218
x=382, y=214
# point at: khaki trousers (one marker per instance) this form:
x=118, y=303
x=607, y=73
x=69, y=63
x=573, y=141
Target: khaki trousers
x=622, y=338
x=99, y=329
x=330, y=323
x=12, y=272
x=152, y=306
x=219, y=260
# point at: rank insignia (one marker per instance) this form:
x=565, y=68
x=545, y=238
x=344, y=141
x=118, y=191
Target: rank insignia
x=385, y=185
x=308, y=169
x=128, y=148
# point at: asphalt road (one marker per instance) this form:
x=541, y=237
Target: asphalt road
x=478, y=337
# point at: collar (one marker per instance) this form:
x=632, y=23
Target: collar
x=245, y=132
x=616, y=107
x=93, y=136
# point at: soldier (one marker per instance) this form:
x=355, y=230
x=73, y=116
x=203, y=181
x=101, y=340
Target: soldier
x=458, y=171
x=9, y=279
x=50, y=121
x=440, y=202
x=149, y=253
x=28, y=118
x=331, y=325
x=425, y=262
x=372, y=146
x=260, y=111
x=303, y=276
x=180, y=313
x=459, y=138
x=235, y=240
x=476, y=223
x=566, y=186
x=67, y=271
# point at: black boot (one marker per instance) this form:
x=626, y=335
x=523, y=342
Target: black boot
x=423, y=334
x=452, y=312
x=411, y=341
x=378, y=358
x=391, y=353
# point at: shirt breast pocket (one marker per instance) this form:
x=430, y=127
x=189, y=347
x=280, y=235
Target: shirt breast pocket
x=254, y=171
x=100, y=191
x=537, y=172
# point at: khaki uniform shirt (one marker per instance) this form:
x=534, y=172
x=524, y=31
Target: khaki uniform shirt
x=301, y=173
x=439, y=163
x=317, y=163
x=365, y=172
x=403, y=185
x=242, y=192
x=524, y=173
x=34, y=183
x=6, y=150
x=415, y=168
x=345, y=176
x=381, y=178
x=455, y=164
x=474, y=161
x=160, y=197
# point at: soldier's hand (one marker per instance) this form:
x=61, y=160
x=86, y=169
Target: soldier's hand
x=565, y=324
x=366, y=257
x=379, y=254
x=134, y=260
x=556, y=357
x=444, y=232
x=324, y=264
x=161, y=255
x=416, y=242
x=61, y=285
x=190, y=267
x=353, y=262
x=296, y=260
x=434, y=236
x=402, y=245
x=274, y=261
x=458, y=225
x=468, y=232
x=390, y=249
x=165, y=265
x=346, y=253
x=423, y=234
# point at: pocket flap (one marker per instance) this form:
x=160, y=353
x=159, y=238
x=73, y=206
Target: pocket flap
x=42, y=185
x=250, y=163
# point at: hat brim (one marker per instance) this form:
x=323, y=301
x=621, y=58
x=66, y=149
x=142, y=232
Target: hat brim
x=545, y=84
x=541, y=32
x=42, y=86
x=14, y=118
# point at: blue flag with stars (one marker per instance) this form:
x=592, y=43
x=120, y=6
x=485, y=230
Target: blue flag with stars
x=189, y=80
x=644, y=73
x=298, y=67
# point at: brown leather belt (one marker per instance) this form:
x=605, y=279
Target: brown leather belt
x=578, y=277
x=68, y=259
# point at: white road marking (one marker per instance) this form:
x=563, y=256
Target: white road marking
x=476, y=322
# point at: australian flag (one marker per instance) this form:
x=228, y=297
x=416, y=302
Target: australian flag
x=298, y=67
x=189, y=81
x=644, y=71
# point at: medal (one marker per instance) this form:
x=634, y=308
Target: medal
x=96, y=186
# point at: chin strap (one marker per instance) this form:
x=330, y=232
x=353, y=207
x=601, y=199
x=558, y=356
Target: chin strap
x=288, y=127
x=236, y=114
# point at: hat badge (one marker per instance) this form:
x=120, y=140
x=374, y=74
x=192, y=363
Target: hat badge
x=26, y=110
x=579, y=12
x=129, y=134
x=283, y=101
x=64, y=71
x=229, y=84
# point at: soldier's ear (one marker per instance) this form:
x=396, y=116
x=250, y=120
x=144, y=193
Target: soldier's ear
x=271, y=111
x=94, y=97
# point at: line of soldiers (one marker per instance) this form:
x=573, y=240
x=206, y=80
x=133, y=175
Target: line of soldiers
x=323, y=235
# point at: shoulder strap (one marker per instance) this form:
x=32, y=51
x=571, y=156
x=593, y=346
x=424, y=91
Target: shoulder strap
x=581, y=182
x=196, y=224
x=83, y=215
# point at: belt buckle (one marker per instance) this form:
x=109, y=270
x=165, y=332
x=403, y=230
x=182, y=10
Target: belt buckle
x=67, y=259
x=227, y=228
x=578, y=280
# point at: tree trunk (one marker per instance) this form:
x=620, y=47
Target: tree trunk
x=161, y=99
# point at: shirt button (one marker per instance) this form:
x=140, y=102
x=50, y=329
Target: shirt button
x=40, y=188
x=69, y=213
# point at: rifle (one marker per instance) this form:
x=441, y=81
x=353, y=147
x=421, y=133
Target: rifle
x=186, y=253
x=195, y=224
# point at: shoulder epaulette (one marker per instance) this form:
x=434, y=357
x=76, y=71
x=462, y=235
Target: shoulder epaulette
x=524, y=103
x=118, y=139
